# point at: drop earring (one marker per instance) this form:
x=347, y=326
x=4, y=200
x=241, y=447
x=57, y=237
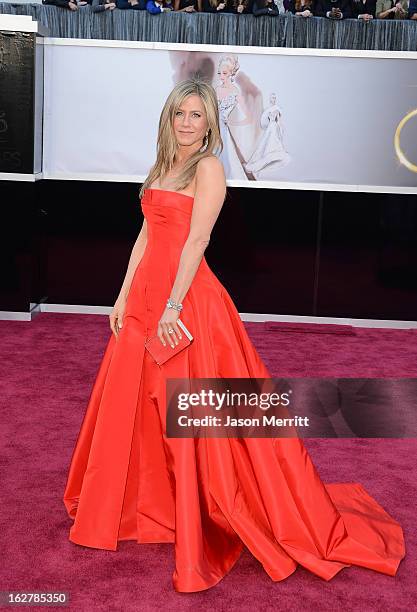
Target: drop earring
x=205, y=143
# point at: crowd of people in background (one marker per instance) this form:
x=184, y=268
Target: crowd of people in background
x=331, y=9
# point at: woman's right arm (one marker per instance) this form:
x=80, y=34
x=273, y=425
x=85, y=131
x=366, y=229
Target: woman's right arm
x=135, y=257
x=116, y=315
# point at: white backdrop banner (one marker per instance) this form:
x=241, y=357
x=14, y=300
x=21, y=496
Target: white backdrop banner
x=290, y=118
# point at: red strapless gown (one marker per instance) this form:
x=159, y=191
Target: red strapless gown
x=208, y=496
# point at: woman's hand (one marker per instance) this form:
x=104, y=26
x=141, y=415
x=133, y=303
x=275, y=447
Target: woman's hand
x=116, y=315
x=166, y=322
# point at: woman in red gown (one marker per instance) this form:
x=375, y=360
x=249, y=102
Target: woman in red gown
x=210, y=497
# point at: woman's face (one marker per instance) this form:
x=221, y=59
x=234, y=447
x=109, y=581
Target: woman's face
x=190, y=121
x=224, y=72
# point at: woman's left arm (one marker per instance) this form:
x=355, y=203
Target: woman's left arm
x=208, y=201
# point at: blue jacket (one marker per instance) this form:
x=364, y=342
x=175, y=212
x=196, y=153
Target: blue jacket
x=155, y=8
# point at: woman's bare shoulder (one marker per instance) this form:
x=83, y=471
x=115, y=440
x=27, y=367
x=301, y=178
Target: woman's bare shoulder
x=210, y=164
x=210, y=172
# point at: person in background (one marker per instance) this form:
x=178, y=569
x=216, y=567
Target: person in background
x=138, y=5
x=215, y=6
x=99, y=6
x=333, y=9
x=264, y=7
x=412, y=9
x=188, y=6
x=239, y=6
x=364, y=9
x=67, y=4
x=158, y=6
x=392, y=9
x=303, y=8
x=280, y=6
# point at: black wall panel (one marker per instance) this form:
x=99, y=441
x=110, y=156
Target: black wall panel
x=276, y=251
x=368, y=256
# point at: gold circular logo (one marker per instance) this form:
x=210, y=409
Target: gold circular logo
x=397, y=144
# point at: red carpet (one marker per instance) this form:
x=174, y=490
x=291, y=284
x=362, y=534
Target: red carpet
x=48, y=368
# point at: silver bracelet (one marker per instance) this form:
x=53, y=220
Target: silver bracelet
x=172, y=304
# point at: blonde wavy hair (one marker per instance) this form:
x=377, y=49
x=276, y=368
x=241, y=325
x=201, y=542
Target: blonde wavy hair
x=166, y=143
x=233, y=63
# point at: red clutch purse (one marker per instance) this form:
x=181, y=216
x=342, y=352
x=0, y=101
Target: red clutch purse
x=162, y=353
